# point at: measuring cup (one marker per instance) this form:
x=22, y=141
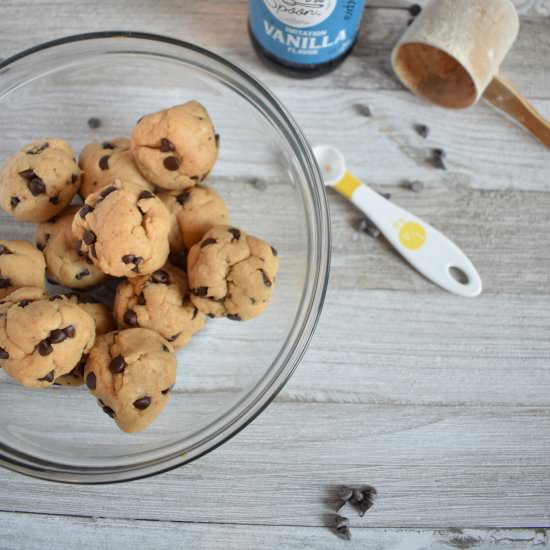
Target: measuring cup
x=451, y=55
x=423, y=246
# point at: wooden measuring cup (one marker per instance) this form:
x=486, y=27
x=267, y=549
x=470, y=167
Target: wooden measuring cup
x=452, y=53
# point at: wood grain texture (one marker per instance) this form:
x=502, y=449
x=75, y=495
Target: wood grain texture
x=435, y=467
x=443, y=404
x=221, y=26
x=24, y=531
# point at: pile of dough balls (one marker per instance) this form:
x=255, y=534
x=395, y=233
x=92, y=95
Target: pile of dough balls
x=135, y=209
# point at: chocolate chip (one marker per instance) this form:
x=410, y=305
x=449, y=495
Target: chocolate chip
x=94, y=123
x=91, y=381
x=141, y=300
x=27, y=174
x=438, y=158
x=23, y=303
x=107, y=145
x=165, y=348
x=4, y=354
x=57, y=336
x=142, y=403
x=201, y=291
x=85, y=210
x=265, y=278
x=236, y=234
x=47, y=378
x=183, y=197
x=166, y=146
x=167, y=390
x=341, y=527
x=54, y=199
x=146, y=195
x=44, y=347
x=37, y=150
x=161, y=277
x=81, y=274
x=128, y=259
x=74, y=178
x=109, y=411
x=69, y=330
x=208, y=242
x=253, y=301
x=174, y=337
x=274, y=251
x=130, y=318
x=5, y=282
x=415, y=9
x=89, y=237
x=422, y=130
x=4, y=250
x=104, y=162
x=108, y=191
x=234, y=317
x=362, y=110
x=36, y=187
x=179, y=259
x=93, y=251
x=117, y=364
x=172, y=163
x=416, y=186
x=14, y=201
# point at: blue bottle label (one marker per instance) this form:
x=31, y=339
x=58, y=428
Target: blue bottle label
x=307, y=32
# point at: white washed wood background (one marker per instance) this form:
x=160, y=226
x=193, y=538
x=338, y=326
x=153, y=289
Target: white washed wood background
x=442, y=403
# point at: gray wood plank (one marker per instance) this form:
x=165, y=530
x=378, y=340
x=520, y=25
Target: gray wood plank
x=433, y=467
x=222, y=26
x=25, y=531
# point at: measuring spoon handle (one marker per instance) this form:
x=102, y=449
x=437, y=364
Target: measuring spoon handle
x=423, y=246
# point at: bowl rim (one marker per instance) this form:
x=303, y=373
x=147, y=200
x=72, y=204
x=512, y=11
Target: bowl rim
x=18, y=462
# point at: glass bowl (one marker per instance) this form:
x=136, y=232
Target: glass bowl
x=268, y=176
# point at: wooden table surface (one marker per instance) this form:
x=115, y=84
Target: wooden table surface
x=442, y=403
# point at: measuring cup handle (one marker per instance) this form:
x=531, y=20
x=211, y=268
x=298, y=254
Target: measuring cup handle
x=505, y=97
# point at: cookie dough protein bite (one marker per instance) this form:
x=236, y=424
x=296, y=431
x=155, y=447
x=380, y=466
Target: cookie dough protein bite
x=176, y=148
x=103, y=163
x=124, y=230
x=161, y=302
x=42, y=339
x=231, y=274
x=39, y=181
x=104, y=323
x=66, y=264
x=131, y=373
x=21, y=264
x=193, y=212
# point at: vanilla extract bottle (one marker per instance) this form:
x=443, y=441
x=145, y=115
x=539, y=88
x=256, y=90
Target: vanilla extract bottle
x=304, y=38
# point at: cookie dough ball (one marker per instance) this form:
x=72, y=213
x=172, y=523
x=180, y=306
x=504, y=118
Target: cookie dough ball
x=42, y=339
x=131, y=373
x=124, y=230
x=161, y=302
x=39, y=181
x=66, y=264
x=193, y=212
x=21, y=264
x=104, y=323
x=176, y=148
x=103, y=163
x=231, y=274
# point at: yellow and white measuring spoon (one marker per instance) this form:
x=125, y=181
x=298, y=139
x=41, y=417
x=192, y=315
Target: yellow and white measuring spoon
x=428, y=250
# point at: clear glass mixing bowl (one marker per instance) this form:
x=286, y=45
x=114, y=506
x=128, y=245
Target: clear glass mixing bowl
x=230, y=371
